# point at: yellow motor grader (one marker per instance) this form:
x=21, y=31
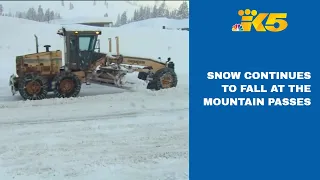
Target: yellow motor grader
x=43, y=72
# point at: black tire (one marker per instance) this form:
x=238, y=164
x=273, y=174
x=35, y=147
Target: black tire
x=66, y=85
x=156, y=83
x=33, y=87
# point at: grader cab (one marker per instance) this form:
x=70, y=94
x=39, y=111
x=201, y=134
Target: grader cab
x=43, y=72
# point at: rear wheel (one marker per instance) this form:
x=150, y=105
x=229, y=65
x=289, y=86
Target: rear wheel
x=33, y=87
x=67, y=85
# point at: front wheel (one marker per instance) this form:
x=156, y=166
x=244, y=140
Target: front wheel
x=66, y=85
x=163, y=79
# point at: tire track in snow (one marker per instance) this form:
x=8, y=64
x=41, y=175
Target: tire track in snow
x=98, y=117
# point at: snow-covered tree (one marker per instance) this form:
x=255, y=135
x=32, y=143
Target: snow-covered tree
x=51, y=15
x=1, y=9
x=155, y=11
x=71, y=6
x=10, y=14
x=40, y=15
x=31, y=14
x=140, y=14
x=47, y=15
x=173, y=14
x=57, y=16
x=106, y=4
x=19, y=15
x=162, y=10
x=118, y=22
x=135, y=15
x=183, y=11
x=124, y=18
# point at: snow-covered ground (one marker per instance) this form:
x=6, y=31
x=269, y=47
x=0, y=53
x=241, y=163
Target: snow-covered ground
x=106, y=133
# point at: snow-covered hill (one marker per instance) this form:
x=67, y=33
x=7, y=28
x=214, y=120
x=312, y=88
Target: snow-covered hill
x=81, y=8
x=106, y=133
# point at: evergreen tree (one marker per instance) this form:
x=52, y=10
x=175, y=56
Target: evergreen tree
x=118, y=22
x=57, y=16
x=162, y=10
x=47, y=15
x=173, y=14
x=148, y=13
x=71, y=6
x=40, y=15
x=140, y=15
x=183, y=11
x=135, y=15
x=51, y=15
x=34, y=15
x=62, y=2
x=19, y=15
x=1, y=9
x=167, y=13
x=155, y=11
x=105, y=15
x=106, y=4
x=124, y=18
x=31, y=14
x=94, y=2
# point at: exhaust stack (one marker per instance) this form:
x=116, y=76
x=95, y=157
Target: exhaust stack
x=117, y=45
x=110, y=45
x=47, y=47
x=37, y=45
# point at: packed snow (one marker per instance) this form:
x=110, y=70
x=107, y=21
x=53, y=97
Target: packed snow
x=106, y=133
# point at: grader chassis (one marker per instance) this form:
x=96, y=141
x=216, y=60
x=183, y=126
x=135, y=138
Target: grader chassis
x=43, y=72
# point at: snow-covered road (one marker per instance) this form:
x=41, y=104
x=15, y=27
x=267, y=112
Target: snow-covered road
x=123, y=146
x=117, y=135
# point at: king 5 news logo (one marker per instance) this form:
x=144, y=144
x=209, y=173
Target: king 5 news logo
x=275, y=22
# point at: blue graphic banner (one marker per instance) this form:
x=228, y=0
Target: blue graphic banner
x=253, y=90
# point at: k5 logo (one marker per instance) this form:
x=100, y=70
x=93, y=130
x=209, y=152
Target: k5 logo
x=248, y=20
